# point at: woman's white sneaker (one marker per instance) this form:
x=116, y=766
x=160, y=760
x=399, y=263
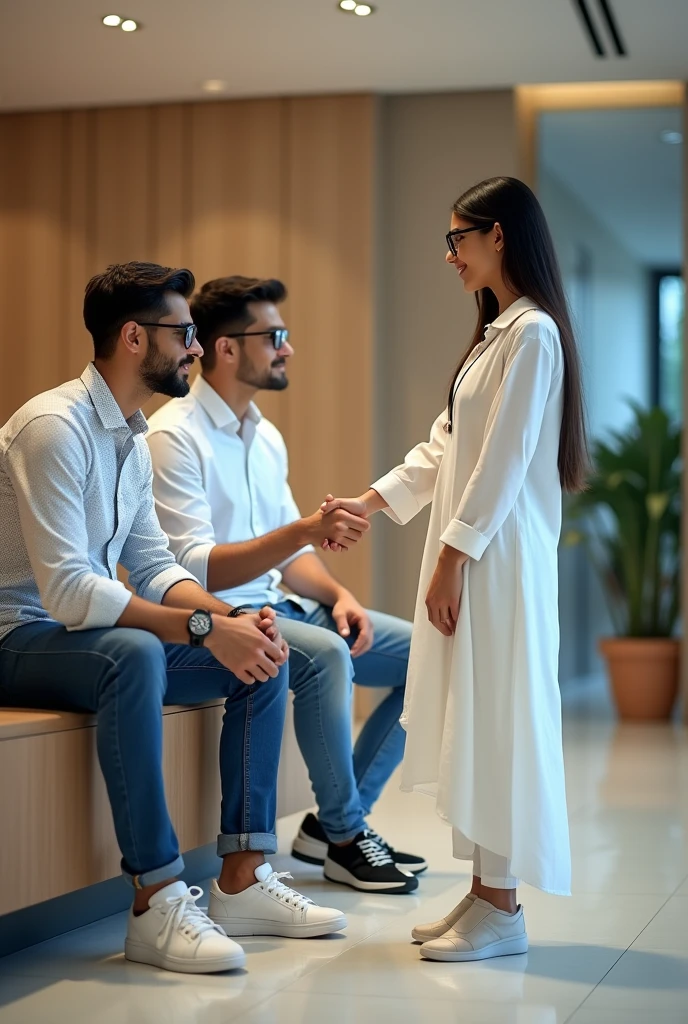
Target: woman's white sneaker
x=271, y=908
x=176, y=935
x=479, y=934
x=428, y=932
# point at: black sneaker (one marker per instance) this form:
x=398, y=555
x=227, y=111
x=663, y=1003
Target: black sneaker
x=404, y=861
x=368, y=867
x=311, y=845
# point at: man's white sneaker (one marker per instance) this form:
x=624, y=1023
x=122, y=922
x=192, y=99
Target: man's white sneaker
x=479, y=934
x=177, y=935
x=428, y=932
x=271, y=908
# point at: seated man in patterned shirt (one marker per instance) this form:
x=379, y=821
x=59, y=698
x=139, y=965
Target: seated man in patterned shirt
x=76, y=500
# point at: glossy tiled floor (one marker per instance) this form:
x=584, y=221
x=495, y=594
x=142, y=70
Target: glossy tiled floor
x=615, y=953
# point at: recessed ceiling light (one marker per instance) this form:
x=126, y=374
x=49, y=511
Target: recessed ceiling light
x=348, y=5
x=363, y=10
x=112, y=20
x=129, y=25
x=214, y=85
x=671, y=137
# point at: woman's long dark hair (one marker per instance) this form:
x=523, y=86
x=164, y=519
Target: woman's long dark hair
x=531, y=269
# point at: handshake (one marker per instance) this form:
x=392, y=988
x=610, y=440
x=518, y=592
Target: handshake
x=338, y=524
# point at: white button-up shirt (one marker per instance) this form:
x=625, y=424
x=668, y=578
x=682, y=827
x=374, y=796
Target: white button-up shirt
x=76, y=499
x=220, y=481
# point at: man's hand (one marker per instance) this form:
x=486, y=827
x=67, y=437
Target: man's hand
x=332, y=506
x=243, y=646
x=341, y=528
x=443, y=599
x=267, y=624
x=348, y=614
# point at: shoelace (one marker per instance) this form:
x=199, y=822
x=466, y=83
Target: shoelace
x=376, y=855
x=377, y=838
x=272, y=884
x=183, y=915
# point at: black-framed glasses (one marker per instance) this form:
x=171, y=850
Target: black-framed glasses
x=190, y=330
x=278, y=335
x=458, y=232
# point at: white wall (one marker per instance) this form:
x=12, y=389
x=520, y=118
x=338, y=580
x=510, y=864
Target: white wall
x=432, y=148
x=610, y=298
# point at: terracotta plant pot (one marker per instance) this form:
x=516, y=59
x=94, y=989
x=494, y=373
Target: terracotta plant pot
x=644, y=675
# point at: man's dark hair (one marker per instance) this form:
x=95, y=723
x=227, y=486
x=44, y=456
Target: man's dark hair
x=221, y=306
x=129, y=291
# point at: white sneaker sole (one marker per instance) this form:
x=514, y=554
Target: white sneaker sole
x=141, y=953
x=336, y=873
x=309, y=850
x=238, y=927
x=504, y=947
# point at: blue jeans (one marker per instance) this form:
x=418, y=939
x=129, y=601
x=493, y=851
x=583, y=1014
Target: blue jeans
x=321, y=672
x=125, y=676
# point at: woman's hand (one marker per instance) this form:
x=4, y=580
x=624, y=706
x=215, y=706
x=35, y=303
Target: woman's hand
x=363, y=506
x=443, y=599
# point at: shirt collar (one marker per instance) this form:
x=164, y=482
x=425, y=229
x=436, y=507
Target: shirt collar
x=512, y=312
x=220, y=413
x=109, y=413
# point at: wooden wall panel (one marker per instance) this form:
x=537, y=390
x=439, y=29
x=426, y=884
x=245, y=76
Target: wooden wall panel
x=79, y=256
x=32, y=296
x=123, y=142
x=272, y=187
x=236, y=199
x=329, y=259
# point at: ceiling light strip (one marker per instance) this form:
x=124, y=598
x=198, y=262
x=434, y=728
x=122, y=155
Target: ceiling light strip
x=613, y=27
x=593, y=36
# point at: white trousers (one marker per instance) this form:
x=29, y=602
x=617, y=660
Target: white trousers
x=493, y=870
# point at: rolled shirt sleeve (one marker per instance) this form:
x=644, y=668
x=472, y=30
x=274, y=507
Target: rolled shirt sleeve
x=511, y=436
x=48, y=465
x=409, y=487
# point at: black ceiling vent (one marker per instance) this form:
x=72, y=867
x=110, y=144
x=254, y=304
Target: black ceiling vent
x=595, y=28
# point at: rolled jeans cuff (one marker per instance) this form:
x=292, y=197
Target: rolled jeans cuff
x=262, y=842
x=171, y=870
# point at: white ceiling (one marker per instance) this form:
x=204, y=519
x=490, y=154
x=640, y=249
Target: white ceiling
x=617, y=166
x=56, y=53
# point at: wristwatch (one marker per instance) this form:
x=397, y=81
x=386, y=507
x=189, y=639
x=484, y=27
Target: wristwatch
x=242, y=609
x=200, y=625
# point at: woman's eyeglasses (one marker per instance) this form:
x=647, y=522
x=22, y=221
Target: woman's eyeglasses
x=278, y=335
x=188, y=329
x=454, y=237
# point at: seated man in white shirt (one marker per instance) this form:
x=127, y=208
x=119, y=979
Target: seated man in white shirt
x=223, y=498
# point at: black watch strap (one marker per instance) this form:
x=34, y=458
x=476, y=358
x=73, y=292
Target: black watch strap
x=242, y=609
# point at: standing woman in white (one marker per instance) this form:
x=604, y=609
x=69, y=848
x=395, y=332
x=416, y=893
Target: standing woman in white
x=483, y=712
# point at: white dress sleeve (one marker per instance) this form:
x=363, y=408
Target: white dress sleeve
x=511, y=436
x=409, y=487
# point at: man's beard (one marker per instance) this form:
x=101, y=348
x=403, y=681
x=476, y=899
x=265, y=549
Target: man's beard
x=247, y=374
x=161, y=375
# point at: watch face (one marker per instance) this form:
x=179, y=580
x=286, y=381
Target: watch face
x=200, y=624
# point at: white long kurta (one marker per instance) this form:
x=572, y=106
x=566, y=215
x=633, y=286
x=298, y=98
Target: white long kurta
x=483, y=710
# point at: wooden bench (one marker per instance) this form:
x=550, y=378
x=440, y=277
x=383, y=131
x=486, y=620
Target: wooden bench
x=57, y=833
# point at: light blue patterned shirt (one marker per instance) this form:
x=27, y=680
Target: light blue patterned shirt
x=75, y=499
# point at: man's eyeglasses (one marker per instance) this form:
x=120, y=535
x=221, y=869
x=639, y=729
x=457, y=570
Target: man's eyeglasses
x=454, y=237
x=189, y=330
x=278, y=335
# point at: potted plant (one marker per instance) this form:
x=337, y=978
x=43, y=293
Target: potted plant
x=629, y=520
